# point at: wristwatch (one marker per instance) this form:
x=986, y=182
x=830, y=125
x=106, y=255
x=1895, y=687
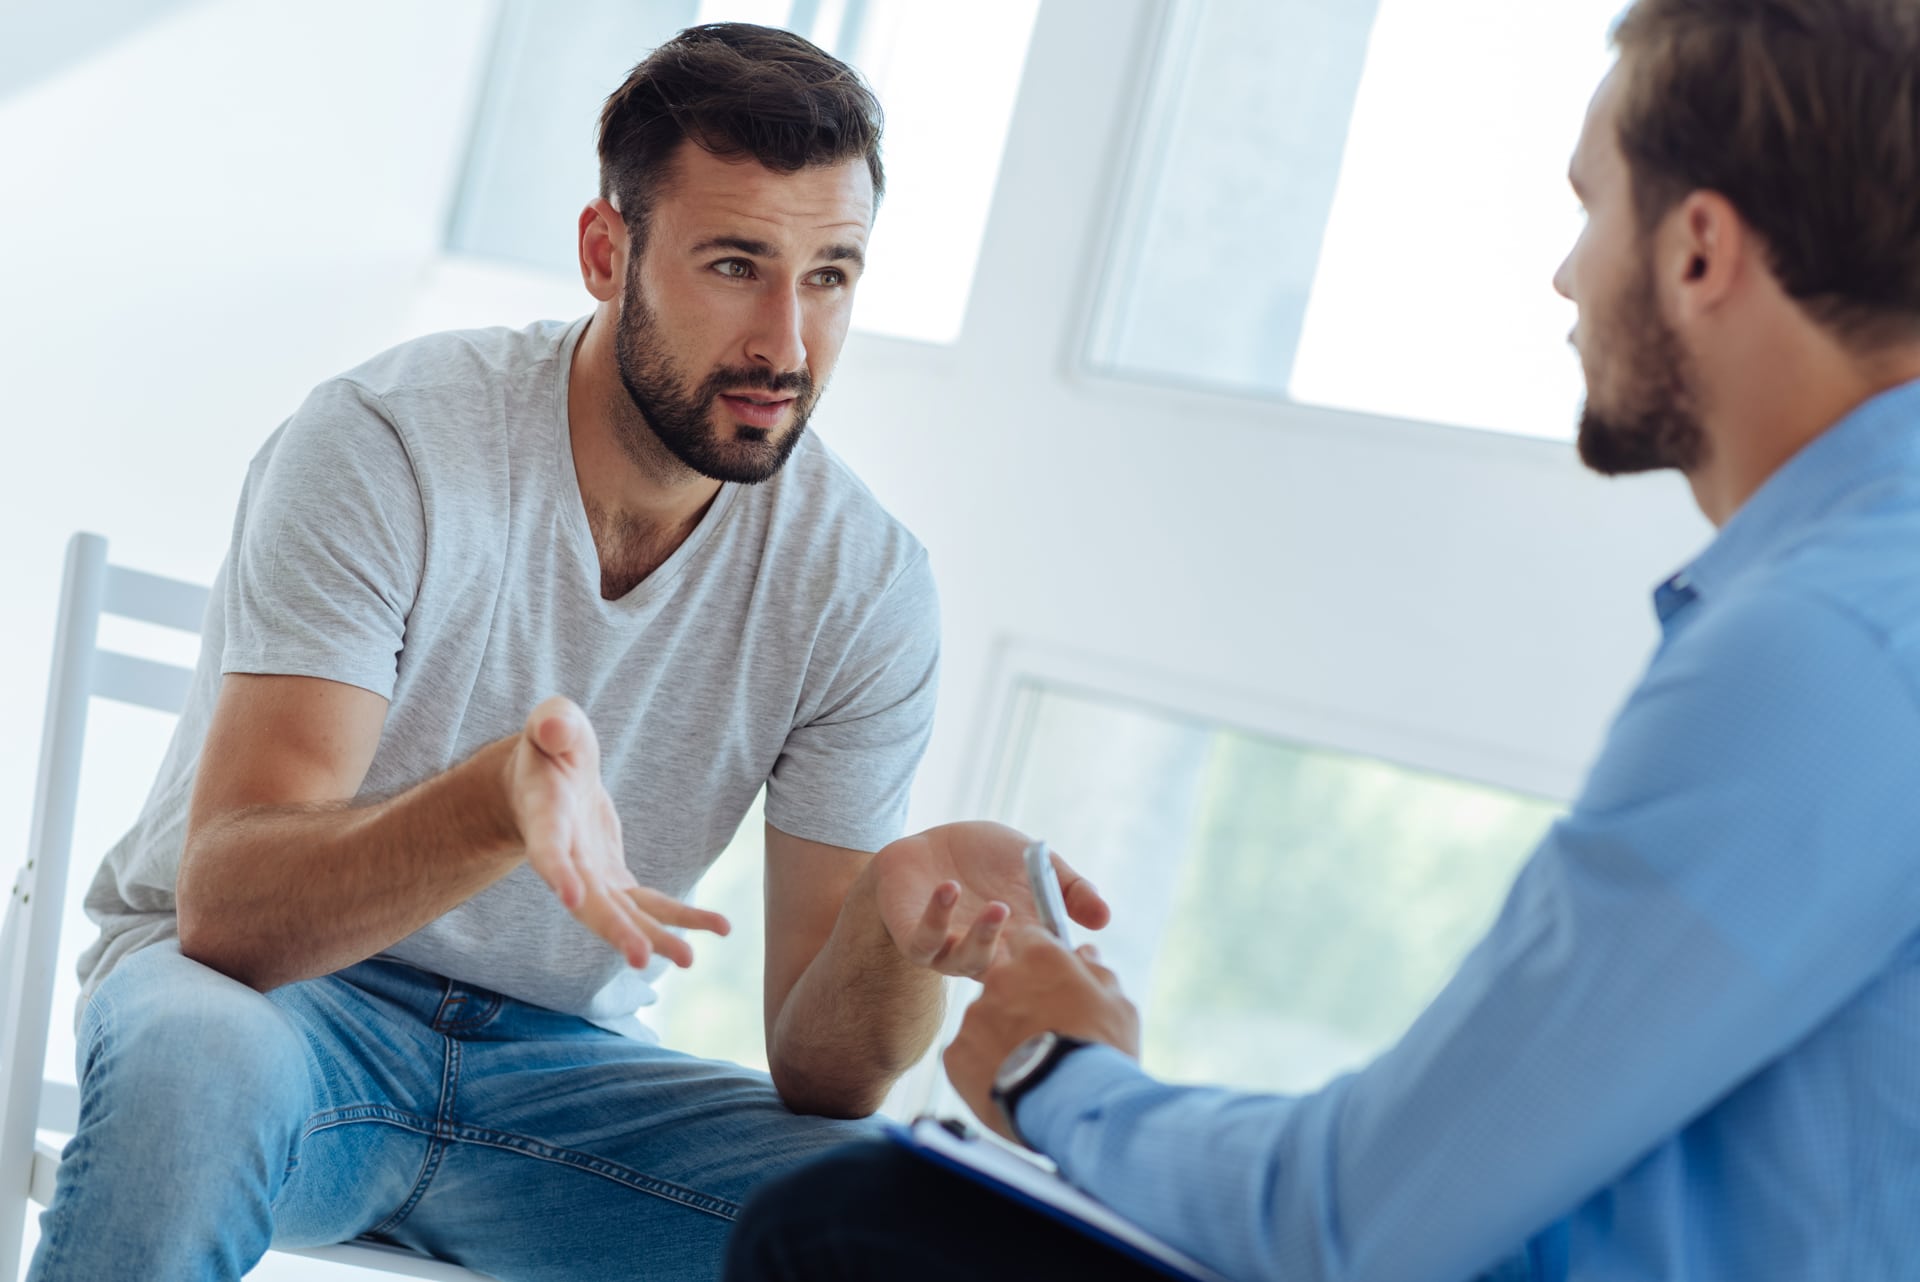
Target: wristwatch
x=1025, y=1067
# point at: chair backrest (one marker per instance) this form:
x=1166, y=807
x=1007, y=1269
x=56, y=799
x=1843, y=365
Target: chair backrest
x=30, y=942
x=30, y=938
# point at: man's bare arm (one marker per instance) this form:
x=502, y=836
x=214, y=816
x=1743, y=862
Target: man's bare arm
x=282, y=879
x=857, y=945
x=846, y=1012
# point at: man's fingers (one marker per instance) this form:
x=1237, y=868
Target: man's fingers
x=550, y=736
x=673, y=912
x=547, y=847
x=571, y=889
x=974, y=952
x=558, y=730
x=1090, y=958
x=617, y=920
x=617, y=917
x=669, y=945
x=928, y=944
x=1084, y=904
x=551, y=729
x=1027, y=937
x=1090, y=955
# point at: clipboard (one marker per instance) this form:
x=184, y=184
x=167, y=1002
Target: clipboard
x=1028, y=1183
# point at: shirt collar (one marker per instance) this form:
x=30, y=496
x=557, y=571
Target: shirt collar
x=1876, y=437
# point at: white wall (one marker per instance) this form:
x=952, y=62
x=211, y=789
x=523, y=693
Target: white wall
x=195, y=227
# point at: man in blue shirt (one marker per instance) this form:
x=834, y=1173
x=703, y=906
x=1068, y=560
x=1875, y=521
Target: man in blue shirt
x=1687, y=1048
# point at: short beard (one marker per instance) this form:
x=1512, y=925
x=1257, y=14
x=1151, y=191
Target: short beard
x=1656, y=423
x=683, y=420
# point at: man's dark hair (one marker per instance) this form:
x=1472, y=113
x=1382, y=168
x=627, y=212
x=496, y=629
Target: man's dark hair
x=1805, y=114
x=735, y=90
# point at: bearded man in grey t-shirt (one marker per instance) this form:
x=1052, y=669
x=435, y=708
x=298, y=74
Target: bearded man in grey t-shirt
x=514, y=627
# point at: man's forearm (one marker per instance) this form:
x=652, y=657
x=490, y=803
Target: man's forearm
x=858, y=1017
x=271, y=895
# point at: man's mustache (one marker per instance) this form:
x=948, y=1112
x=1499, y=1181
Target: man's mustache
x=756, y=378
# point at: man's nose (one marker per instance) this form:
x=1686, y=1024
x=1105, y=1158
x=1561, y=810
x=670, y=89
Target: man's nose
x=777, y=341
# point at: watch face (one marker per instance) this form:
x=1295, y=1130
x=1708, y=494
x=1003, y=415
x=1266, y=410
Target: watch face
x=1022, y=1060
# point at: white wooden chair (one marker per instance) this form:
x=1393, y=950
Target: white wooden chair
x=29, y=941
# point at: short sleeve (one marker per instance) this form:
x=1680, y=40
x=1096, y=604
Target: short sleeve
x=328, y=547
x=844, y=775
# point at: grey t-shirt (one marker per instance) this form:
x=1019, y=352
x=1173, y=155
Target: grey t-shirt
x=416, y=529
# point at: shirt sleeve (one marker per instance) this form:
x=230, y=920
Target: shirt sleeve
x=1738, y=867
x=844, y=774
x=328, y=548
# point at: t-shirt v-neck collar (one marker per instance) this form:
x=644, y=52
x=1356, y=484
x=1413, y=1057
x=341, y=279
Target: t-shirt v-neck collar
x=656, y=585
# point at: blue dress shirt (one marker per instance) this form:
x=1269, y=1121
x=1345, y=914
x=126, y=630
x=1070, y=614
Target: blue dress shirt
x=1689, y=1047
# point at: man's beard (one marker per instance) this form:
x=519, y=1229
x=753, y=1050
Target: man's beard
x=683, y=420
x=1654, y=419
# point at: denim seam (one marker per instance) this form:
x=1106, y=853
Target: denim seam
x=347, y=1115
x=526, y=1146
x=436, y=1141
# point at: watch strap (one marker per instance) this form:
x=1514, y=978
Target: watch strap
x=1008, y=1097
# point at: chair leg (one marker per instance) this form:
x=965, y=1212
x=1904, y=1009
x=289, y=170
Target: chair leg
x=16, y=1169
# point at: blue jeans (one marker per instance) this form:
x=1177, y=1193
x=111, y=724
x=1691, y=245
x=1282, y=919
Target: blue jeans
x=389, y=1103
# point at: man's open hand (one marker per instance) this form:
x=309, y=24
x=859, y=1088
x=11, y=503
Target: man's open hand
x=946, y=894
x=1039, y=987
x=572, y=836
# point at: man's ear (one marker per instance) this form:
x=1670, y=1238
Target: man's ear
x=1708, y=253
x=603, y=249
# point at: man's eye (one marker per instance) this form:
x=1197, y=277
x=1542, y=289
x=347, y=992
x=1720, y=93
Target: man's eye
x=735, y=268
x=831, y=276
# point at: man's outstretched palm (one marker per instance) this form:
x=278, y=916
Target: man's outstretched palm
x=573, y=840
x=946, y=894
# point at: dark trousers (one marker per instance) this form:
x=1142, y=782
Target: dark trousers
x=875, y=1210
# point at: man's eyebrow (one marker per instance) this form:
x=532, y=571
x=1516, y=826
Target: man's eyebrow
x=843, y=253
x=739, y=244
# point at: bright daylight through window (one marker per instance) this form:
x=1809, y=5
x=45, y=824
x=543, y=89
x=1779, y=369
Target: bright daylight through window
x=530, y=164
x=1361, y=204
x=1288, y=910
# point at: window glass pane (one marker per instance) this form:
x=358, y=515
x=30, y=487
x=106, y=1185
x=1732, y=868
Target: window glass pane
x=531, y=164
x=1282, y=912
x=1361, y=204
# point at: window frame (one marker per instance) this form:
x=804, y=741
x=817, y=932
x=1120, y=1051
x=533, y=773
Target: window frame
x=1146, y=135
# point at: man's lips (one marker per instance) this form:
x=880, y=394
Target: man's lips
x=756, y=410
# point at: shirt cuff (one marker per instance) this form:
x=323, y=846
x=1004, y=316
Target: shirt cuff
x=1046, y=1115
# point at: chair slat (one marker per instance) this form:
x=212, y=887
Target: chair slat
x=143, y=682
x=387, y=1259
x=135, y=594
